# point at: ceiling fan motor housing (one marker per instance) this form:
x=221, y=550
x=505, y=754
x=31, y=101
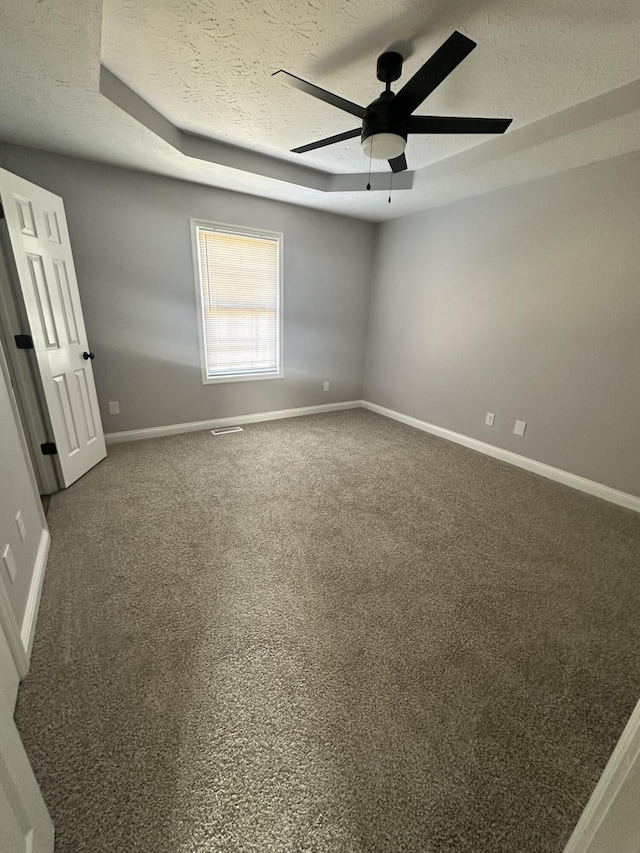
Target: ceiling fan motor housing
x=381, y=118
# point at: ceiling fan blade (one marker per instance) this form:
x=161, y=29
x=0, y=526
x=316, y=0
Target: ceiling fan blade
x=452, y=124
x=321, y=94
x=433, y=72
x=339, y=137
x=398, y=164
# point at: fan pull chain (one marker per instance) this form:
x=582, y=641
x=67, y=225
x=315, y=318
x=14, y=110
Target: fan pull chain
x=369, y=184
x=390, y=186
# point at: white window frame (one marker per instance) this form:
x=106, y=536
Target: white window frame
x=241, y=231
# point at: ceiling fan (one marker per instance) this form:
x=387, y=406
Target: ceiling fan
x=388, y=120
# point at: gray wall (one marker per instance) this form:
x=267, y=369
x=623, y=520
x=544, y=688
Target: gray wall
x=526, y=303
x=132, y=248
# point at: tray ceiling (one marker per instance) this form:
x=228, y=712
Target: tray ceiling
x=555, y=66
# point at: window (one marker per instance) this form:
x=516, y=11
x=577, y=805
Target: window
x=239, y=287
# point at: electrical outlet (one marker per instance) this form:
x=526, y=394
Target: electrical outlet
x=326, y=386
x=520, y=427
x=21, y=527
x=10, y=563
x=114, y=408
x=489, y=419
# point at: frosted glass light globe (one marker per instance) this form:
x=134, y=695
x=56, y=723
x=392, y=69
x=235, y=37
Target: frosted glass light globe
x=383, y=146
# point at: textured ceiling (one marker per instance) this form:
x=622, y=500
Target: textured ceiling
x=206, y=68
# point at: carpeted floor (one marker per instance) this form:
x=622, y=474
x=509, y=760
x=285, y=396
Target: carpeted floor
x=332, y=633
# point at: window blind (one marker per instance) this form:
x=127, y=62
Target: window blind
x=239, y=277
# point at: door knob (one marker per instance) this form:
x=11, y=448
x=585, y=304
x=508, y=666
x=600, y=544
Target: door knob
x=88, y=355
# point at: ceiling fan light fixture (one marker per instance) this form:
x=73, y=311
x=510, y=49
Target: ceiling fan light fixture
x=383, y=146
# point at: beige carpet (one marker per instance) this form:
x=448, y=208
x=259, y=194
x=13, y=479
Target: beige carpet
x=331, y=633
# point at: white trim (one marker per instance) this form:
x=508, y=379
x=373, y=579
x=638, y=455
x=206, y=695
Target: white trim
x=12, y=632
x=243, y=377
x=623, y=762
x=19, y=651
x=573, y=480
x=30, y=617
x=4, y=367
x=196, y=426
x=21, y=639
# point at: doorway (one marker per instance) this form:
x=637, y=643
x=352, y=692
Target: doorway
x=23, y=372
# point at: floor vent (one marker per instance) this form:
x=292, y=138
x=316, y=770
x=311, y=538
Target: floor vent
x=225, y=430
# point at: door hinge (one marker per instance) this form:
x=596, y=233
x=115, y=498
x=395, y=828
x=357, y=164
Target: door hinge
x=23, y=341
x=49, y=448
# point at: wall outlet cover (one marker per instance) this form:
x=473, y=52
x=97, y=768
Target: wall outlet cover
x=489, y=419
x=520, y=427
x=326, y=386
x=114, y=408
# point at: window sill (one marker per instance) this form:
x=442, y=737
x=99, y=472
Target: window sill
x=247, y=377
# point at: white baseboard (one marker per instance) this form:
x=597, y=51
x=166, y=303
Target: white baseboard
x=196, y=426
x=573, y=480
x=576, y=482
x=30, y=617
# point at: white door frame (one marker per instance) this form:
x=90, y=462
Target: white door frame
x=20, y=637
x=610, y=822
x=20, y=797
x=21, y=802
x=24, y=373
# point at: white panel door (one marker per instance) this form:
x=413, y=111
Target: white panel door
x=42, y=250
x=25, y=825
